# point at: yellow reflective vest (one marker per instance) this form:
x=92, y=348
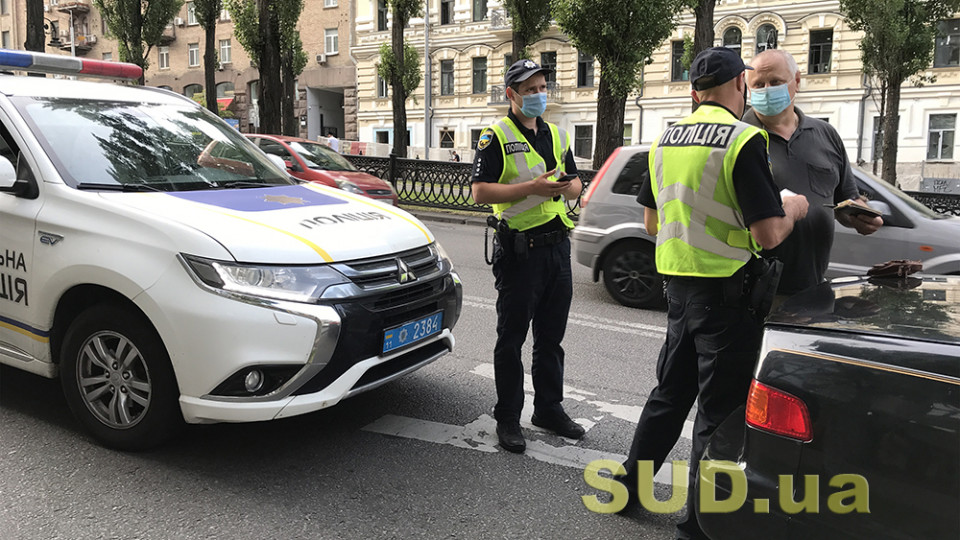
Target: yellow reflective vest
x=701, y=228
x=521, y=163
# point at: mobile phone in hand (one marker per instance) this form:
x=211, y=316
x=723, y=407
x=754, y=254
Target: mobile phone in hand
x=566, y=178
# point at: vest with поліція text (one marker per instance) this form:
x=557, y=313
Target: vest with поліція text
x=702, y=231
x=522, y=163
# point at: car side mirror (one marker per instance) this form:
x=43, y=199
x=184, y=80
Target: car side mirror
x=880, y=206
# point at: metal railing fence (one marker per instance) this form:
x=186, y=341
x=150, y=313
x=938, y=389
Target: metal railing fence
x=442, y=184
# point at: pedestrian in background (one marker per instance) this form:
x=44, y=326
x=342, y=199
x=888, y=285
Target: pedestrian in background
x=333, y=141
x=454, y=156
x=516, y=168
x=807, y=157
x=713, y=205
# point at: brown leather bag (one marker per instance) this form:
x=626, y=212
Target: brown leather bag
x=896, y=268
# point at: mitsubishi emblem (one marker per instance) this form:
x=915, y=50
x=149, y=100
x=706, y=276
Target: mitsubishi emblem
x=404, y=273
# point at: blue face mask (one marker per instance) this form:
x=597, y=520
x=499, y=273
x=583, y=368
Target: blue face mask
x=534, y=104
x=770, y=101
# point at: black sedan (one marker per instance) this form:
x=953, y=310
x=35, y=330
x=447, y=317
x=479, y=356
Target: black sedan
x=852, y=425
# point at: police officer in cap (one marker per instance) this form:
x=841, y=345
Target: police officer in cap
x=713, y=205
x=518, y=163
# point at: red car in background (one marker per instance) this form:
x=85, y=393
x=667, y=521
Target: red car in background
x=314, y=162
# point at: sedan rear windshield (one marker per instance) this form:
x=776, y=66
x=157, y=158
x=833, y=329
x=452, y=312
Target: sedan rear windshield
x=97, y=144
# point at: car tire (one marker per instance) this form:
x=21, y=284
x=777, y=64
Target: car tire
x=630, y=275
x=118, y=380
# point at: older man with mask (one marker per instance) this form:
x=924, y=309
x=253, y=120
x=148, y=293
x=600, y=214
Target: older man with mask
x=808, y=158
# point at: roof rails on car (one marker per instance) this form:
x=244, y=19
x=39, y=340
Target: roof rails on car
x=67, y=65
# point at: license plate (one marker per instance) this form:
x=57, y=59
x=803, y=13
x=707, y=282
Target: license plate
x=411, y=332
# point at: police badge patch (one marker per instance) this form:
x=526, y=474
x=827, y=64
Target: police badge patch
x=485, y=139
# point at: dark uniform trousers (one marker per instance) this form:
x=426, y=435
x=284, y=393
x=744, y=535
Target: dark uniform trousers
x=709, y=355
x=538, y=287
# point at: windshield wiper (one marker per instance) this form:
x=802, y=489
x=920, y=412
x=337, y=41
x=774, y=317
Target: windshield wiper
x=129, y=188
x=244, y=184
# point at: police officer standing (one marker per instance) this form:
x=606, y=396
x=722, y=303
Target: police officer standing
x=713, y=205
x=518, y=164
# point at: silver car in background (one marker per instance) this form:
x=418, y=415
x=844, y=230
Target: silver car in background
x=610, y=237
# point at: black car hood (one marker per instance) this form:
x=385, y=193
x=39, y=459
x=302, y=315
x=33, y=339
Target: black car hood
x=915, y=307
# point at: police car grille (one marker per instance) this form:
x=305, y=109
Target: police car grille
x=383, y=271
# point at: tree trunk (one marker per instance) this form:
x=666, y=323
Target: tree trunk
x=703, y=31
x=610, y=110
x=270, y=90
x=210, y=68
x=136, y=42
x=35, y=34
x=891, y=126
x=878, y=144
x=288, y=104
x=399, y=92
x=519, y=46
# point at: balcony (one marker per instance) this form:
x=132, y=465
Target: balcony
x=500, y=22
x=498, y=95
x=169, y=34
x=76, y=6
x=83, y=46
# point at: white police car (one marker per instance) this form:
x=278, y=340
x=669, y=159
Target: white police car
x=167, y=270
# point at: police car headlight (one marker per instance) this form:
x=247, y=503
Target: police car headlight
x=350, y=187
x=438, y=251
x=293, y=283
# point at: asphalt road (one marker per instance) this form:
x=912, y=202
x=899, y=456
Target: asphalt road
x=413, y=459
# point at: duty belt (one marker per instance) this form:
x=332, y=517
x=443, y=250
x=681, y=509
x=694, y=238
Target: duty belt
x=547, y=238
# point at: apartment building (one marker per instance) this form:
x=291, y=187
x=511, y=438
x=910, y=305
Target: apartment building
x=325, y=90
x=470, y=45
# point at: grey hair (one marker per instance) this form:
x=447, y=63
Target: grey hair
x=787, y=57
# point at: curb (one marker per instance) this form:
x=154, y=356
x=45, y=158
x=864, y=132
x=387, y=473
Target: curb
x=479, y=220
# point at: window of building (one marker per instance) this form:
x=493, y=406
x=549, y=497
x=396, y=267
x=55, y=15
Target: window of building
x=4, y=7
x=940, y=137
x=475, y=137
x=382, y=87
x=163, y=59
x=107, y=57
x=732, y=39
x=584, y=70
x=224, y=15
x=877, y=138
x=446, y=77
x=479, y=10
x=627, y=134
x=253, y=91
x=479, y=75
x=191, y=90
x=331, y=41
x=821, y=45
x=329, y=3
x=191, y=13
x=383, y=136
x=193, y=54
x=447, y=137
x=507, y=62
x=225, y=51
x=224, y=90
x=381, y=15
x=766, y=38
x=947, y=51
x=548, y=60
x=583, y=141
x=5, y=39
x=446, y=11
x=677, y=71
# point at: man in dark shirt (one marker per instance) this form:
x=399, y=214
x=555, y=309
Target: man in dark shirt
x=807, y=157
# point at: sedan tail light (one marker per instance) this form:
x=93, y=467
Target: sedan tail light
x=596, y=179
x=772, y=410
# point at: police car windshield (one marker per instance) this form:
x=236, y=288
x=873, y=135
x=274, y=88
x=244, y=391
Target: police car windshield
x=168, y=147
x=318, y=156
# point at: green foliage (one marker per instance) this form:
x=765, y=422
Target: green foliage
x=405, y=10
x=291, y=47
x=207, y=12
x=530, y=19
x=137, y=25
x=620, y=34
x=201, y=98
x=246, y=27
x=688, y=55
x=899, y=35
x=411, y=75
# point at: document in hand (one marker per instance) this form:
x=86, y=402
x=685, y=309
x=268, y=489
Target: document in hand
x=852, y=208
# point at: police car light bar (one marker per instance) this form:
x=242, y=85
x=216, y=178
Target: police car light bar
x=67, y=65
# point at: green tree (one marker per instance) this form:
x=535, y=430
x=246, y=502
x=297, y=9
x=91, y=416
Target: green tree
x=402, y=70
x=137, y=25
x=292, y=61
x=529, y=20
x=208, y=11
x=622, y=35
x=897, y=44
